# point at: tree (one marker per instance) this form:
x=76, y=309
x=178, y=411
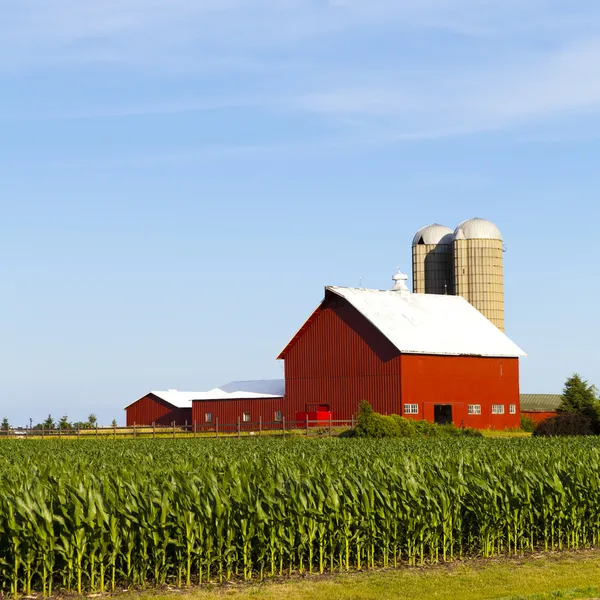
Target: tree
x=580, y=397
x=5, y=424
x=64, y=423
x=49, y=423
x=114, y=422
x=92, y=420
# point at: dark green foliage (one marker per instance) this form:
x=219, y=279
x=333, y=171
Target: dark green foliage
x=5, y=424
x=527, y=424
x=566, y=423
x=375, y=425
x=580, y=397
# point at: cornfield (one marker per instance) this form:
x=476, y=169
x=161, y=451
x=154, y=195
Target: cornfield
x=93, y=515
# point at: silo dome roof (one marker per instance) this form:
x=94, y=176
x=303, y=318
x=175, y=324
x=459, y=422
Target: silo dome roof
x=477, y=229
x=433, y=234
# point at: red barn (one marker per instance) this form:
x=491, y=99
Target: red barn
x=246, y=400
x=423, y=356
x=162, y=408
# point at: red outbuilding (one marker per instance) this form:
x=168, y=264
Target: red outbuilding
x=423, y=356
x=161, y=408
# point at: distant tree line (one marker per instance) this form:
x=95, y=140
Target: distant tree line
x=62, y=423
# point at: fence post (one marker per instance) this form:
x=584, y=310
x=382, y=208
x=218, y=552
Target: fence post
x=173, y=429
x=238, y=428
x=77, y=431
x=185, y=427
x=26, y=432
x=194, y=427
x=115, y=431
x=134, y=429
x=42, y=432
x=352, y=421
x=153, y=429
x=216, y=426
x=260, y=425
x=283, y=425
x=329, y=424
x=96, y=429
x=306, y=424
x=59, y=430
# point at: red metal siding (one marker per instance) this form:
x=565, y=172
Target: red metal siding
x=151, y=409
x=460, y=381
x=537, y=415
x=339, y=360
x=228, y=411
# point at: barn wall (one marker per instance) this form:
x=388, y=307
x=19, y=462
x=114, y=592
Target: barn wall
x=460, y=381
x=538, y=415
x=339, y=360
x=228, y=411
x=151, y=409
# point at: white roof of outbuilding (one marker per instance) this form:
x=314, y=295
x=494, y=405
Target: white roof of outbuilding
x=234, y=390
x=433, y=234
x=430, y=323
x=475, y=229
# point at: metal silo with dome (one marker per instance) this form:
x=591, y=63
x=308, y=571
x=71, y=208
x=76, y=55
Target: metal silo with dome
x=478, y=267
x=432, y=260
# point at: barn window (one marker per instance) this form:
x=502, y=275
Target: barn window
x=512, y=409
x=246, y=417
x=411, y=409
x=278, y=415
x=208, y=417
x=497, y=409
x=474, y=409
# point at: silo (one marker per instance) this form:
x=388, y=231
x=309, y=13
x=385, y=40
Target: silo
x=478, y=270
x=432, y=260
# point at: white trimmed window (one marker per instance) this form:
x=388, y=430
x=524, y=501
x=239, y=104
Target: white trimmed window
x=208, y=417
x=474, y=409
x=246, y=417
x=512, y=409
x=497, y=409
x=411, y=409
x=278, y=415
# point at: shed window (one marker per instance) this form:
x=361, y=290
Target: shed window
x=411, y=409
x=246, y=417
x=474, y=409
x=512, y=409
x=208, y=417
x=278, y=415
x=497, y=409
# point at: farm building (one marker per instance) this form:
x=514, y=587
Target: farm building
x=162, y=408
x=225, y=403
x=424, y=356
x=246, y=400
x=540, y=406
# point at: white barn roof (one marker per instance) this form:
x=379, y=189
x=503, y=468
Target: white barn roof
x=430, y=323
x=234, y=390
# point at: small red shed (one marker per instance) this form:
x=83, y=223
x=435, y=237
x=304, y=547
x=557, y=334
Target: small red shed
x=162, y=408
x=423, y=356
x=248, y=401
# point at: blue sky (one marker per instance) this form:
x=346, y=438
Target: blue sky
x=179, y=179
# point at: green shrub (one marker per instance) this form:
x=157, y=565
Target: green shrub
x=375, y=425
x=527, y=424
x=566, y=423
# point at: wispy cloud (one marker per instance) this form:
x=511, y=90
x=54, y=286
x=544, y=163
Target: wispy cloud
x=387, y=69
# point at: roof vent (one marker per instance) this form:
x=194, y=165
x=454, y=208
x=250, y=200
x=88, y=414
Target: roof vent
x=400, y=283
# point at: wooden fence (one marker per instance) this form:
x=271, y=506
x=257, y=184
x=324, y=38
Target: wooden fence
x=240, y=429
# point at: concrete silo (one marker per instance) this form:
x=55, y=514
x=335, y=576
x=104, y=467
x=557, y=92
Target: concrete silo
x=478, y=268
x=432, y=260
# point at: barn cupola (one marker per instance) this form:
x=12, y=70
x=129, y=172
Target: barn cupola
x=400, y=286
